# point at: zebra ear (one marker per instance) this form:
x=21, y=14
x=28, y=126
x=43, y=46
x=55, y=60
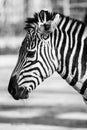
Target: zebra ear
x=55, y=22
x=49, y=26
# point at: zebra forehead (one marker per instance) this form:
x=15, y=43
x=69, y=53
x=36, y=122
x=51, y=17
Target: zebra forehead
x=44, y=16
x=41, y=17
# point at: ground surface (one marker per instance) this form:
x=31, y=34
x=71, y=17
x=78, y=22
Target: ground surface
x=54, y=105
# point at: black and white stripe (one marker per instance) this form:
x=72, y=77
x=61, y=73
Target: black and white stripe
x=71, y=50
x=63, y=50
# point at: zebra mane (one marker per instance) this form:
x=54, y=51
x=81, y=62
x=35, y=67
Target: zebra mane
x=42, y=17
x=45, y=16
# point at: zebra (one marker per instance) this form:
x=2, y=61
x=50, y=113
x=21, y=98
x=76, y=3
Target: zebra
x=53, y=42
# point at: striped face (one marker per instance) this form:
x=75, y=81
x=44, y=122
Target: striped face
x=36, y=62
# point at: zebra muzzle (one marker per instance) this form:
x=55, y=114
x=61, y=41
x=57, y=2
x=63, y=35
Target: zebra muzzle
x=16, y=91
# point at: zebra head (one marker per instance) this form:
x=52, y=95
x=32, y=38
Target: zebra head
x=37, y=56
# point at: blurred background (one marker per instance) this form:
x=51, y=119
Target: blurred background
x=54, y=105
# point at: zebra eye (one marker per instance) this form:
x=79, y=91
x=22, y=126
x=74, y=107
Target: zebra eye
x=31, y=54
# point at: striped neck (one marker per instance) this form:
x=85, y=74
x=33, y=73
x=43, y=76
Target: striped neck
x=69, y=48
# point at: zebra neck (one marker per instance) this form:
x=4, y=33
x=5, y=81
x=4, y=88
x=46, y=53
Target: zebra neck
x=69, y=49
